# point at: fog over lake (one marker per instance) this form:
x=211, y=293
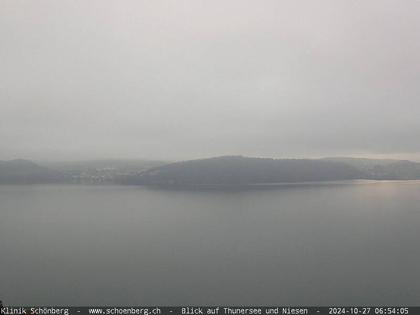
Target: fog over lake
x=307, y=244
x=209, y=152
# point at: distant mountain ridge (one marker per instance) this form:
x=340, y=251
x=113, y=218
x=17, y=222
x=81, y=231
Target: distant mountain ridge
x=21, y=171
x=383, y=169
x=224, y=170
x=238, y=170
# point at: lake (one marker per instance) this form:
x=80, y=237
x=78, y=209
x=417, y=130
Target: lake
x=312, y=244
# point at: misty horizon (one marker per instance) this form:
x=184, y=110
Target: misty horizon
x=396, y=157
x=182, y=80
x=76, y=160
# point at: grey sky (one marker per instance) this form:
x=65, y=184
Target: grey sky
x=186, y=79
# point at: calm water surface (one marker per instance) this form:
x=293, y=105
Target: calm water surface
x=305, y=244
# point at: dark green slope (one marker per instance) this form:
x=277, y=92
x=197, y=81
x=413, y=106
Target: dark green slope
x=236, y=170
x=27, y=172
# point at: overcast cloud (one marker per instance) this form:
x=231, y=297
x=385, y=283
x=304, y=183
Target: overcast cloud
x=187, y=79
